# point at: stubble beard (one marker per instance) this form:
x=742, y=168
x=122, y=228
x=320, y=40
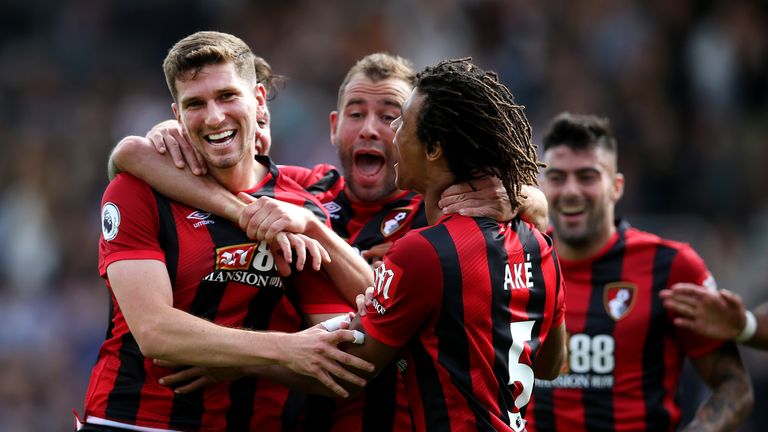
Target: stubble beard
x=379, y=192
x=375, y=193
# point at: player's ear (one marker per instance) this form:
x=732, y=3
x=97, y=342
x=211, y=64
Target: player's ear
x=434, y=150
x=261, y=94
x=617, y=188
x=175, y=109
x=333, y=118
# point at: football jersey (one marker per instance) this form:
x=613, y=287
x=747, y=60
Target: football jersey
x=362, y=224
x=217, y=274
x=624, y=352
x=382, y=405
x=471, y=301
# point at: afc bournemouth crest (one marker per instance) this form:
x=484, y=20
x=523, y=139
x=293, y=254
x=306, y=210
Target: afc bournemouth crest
x=394, y=220
x=619, y=298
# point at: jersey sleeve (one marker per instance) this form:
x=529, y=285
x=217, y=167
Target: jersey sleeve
x=129, y=223
x=323, y=181
x=689, y=267
x=317, y=294
x=407, y=291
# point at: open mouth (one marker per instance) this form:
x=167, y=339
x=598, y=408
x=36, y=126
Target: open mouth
x=572, y=210
x=221, y=138
x=369, y=163
x=572, y=213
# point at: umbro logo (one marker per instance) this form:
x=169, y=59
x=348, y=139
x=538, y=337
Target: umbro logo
x=333, y=208
x=198, y=215
x=201, y=217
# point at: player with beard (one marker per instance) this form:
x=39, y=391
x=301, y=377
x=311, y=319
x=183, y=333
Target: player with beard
x=624, y=353
x=365, y=205
x=476, y=305
x=368, y=209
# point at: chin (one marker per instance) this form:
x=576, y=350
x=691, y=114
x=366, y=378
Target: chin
x=575, y=240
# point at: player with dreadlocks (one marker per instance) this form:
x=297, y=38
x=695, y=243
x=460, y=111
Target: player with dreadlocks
x=477, y=304
x=458, y=90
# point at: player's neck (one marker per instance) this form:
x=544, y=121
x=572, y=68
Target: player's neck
x=431, y=209
x=432, y=194
x=578, y=252
x=437, y=177
x=241, y=177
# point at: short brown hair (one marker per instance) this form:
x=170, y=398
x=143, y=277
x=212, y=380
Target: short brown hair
x=377, y=67
x=189, y=55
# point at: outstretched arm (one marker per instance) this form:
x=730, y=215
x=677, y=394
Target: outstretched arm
x=716, y=314
x=731, y=400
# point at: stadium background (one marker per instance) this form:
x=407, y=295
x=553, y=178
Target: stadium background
x=685, y=83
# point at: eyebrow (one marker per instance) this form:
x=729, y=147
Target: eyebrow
x=578, y=171
x=229, y=89
x=187, y=100
x=385, y=102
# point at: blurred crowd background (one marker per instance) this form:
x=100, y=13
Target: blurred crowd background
x=685, y=83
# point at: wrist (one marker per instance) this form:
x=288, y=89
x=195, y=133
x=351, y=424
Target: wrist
x=750, y=327
x=266, y=348
x=233, y=208
x=314, y=228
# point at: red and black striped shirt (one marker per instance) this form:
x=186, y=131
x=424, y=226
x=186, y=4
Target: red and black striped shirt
x=362, y=224
x=383, y=404
x=218, y=274
x=624, y=353
x=471, y=301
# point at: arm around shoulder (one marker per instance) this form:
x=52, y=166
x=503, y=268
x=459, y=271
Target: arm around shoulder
x=534, y=207
x=138, y=156
x=124, y=153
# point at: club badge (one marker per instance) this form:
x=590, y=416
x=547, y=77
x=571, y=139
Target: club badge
x=619, y=298
x=394, y=220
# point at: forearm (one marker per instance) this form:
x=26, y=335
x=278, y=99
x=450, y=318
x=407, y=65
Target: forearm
x=723, y=410
x=136, y=155
x=731, y=400
x=182, y=338
x=348, y=270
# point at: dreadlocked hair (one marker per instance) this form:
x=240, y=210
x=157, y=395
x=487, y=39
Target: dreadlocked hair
x=477, y=122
